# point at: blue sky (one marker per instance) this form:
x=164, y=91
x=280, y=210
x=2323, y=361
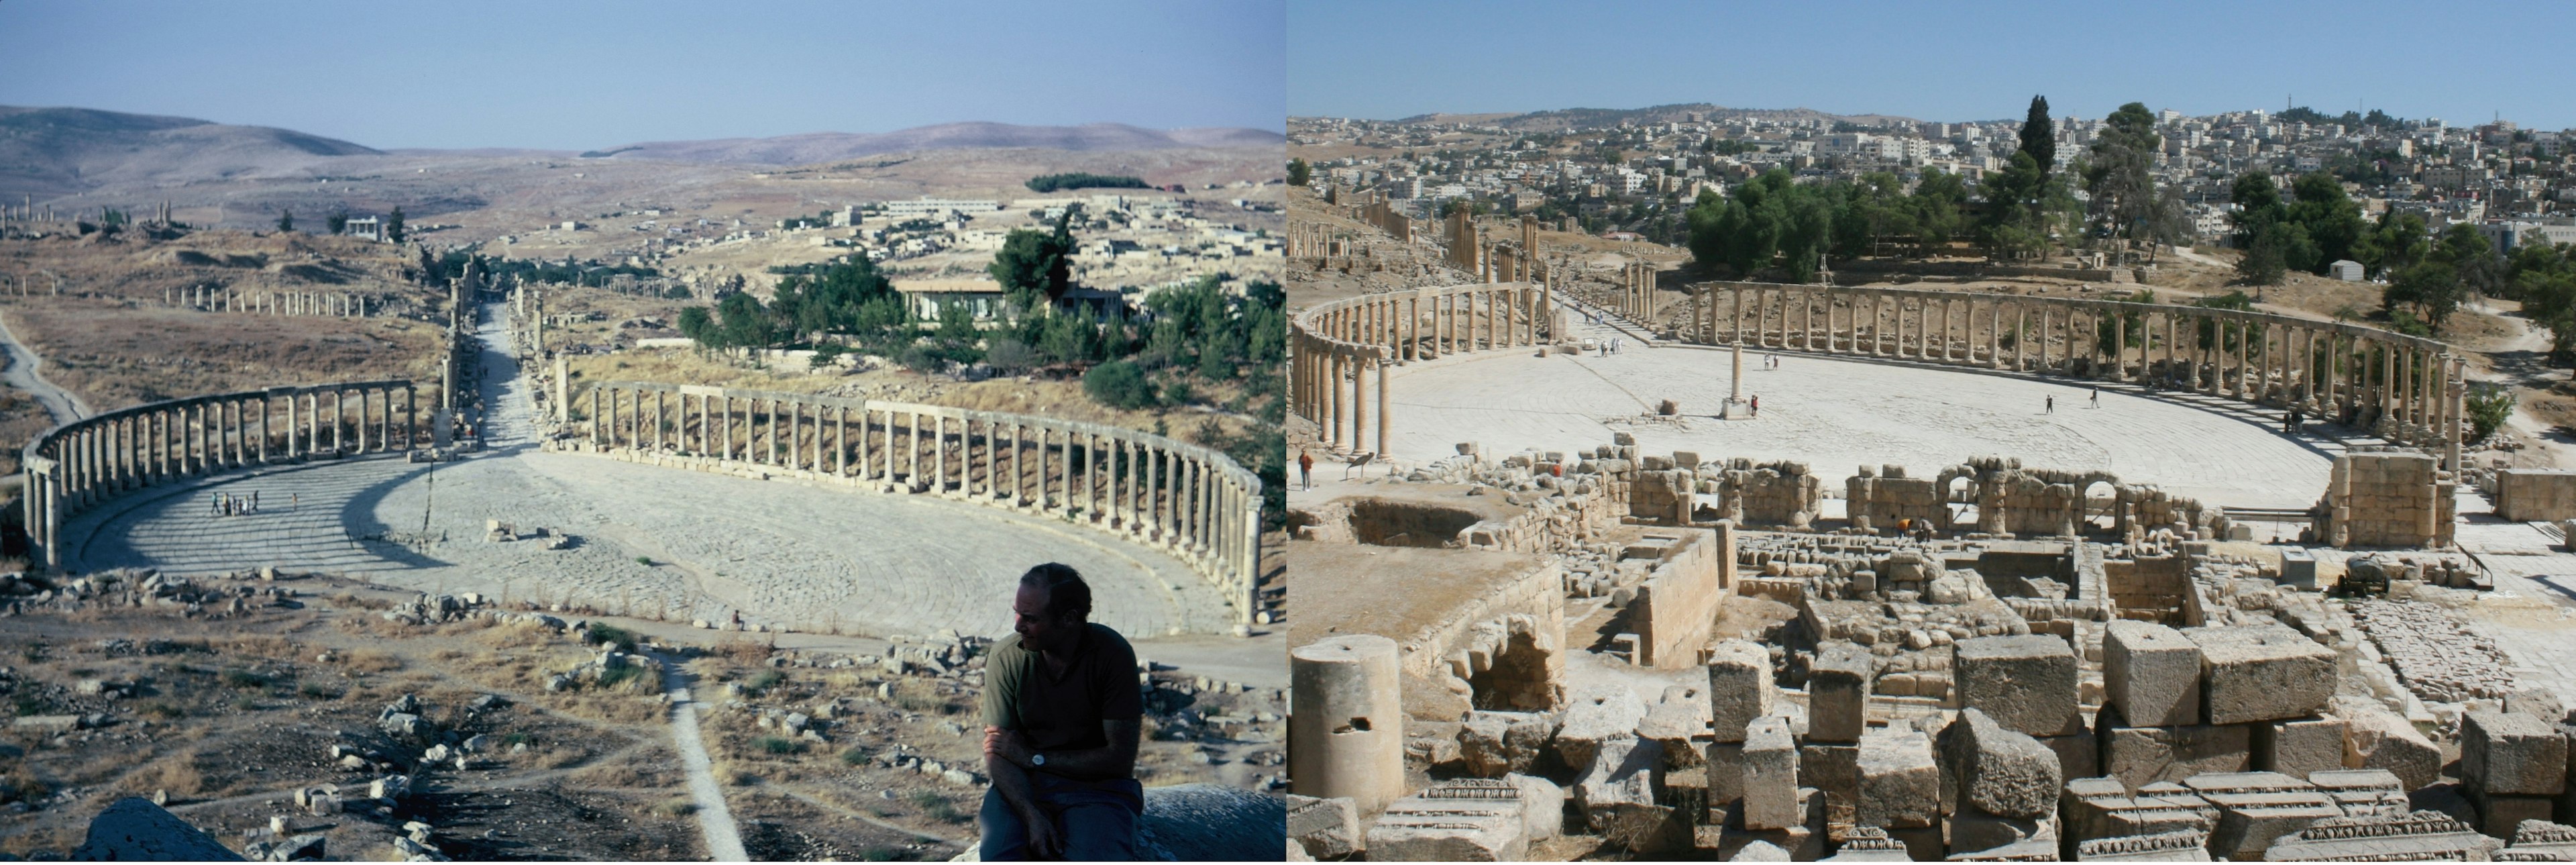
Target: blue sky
x=2459, y=61
x=578, y=75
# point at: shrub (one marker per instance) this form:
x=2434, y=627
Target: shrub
x=624, y=638
x=240, y=678
x=2489, y=405
x=766, y=680
x=676, y=806
x=779, y=746
x=1119, y=384
x=854, y=756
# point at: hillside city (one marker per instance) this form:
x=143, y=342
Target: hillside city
x=1608, y=171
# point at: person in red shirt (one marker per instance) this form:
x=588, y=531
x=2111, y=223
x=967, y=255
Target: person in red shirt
x=1306, y=468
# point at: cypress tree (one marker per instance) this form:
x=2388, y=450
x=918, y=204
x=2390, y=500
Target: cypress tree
x=2039, y=135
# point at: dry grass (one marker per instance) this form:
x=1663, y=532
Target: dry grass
x=370, y=661
x=742, y=652
x=177, y=774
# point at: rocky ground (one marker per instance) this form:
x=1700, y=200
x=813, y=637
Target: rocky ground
x=274, y=712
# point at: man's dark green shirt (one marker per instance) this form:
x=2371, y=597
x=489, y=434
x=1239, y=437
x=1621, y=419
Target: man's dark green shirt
x=1063, y=712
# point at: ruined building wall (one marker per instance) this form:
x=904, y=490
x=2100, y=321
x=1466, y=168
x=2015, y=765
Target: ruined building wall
x=1677, y=604
x=2387, y=499
x=1876, y=500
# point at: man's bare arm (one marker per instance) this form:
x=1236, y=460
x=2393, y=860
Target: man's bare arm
x=1117, y=760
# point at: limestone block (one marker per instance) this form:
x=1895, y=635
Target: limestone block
x=2499, y=815
x=2079, y=755
x=2026, y=683
x=2001, y=772
x=1972, y=831
x=2151, y=672
x=1770, y=798
x=1831, y=768
x=1740, y=688
x=2139, y=756
x=2299, y=747
x=1680, y=723
x=1324, y=828
x=1838, y=686
x=1724, y=773
x=1616, y=794
x=2511, y=754
x=1542, y=806
x=1899, y=780
x=2184, y=845
x=1498, y=743
x=1598, y=716
x=1424, y=829
x=2377, y=738
x=2262, y=673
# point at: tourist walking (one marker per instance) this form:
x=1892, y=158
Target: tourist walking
x=1306, y=468
x=1756, y=404
x=2052, y=403
x=2097, y=397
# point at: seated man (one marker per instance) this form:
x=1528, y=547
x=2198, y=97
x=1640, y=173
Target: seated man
x=1062, y=715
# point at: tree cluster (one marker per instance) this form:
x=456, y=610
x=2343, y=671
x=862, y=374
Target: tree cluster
x=1772, y=218
x=2314, y=228
x=1082, y=180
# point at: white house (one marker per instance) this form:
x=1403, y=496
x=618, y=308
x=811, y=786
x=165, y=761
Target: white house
x=2347, y=270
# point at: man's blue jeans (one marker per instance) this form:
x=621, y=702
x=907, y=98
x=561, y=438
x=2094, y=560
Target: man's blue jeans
x=1096, y=820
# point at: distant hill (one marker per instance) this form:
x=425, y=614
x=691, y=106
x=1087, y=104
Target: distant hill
x=817, y=147
x=1577, y=118
x=51, y=152
x=54, y=151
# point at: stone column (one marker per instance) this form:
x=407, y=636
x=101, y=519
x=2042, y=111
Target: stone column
x=1347, y=736
x=1359, y=399
x=1382, y=452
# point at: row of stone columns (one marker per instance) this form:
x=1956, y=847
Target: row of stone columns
x=1186, y=498
x=1636, y=300
x=1336, y=348
x=2411, y=384
x=79, y=465
x=315, y=303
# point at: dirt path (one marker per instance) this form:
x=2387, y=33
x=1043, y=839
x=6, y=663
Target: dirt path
x=24, y=372
x=724, y=839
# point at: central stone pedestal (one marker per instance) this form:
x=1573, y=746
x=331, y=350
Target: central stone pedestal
x=1735, y=409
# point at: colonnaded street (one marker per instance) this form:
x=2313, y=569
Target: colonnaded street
x=646, y=541
x=1836, y=414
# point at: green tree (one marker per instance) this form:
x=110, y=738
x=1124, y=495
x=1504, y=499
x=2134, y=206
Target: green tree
x=2118, y=178
x=2544, y=277
x=2481, y=270
x=1299, y=172
x=1032, y=265
x=699, y=326
x=745, y=323
x=2039, y=135
x=2396, y=242
x=2330, y=219
x=394, y=226
x=2431, y=290
x=338, y=222
x=286, y=220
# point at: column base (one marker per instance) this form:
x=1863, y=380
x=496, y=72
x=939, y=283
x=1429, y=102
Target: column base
x=1735, y=410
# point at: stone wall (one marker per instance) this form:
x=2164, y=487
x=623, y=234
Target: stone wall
x=1677, y=603
x=2386, y=499
x=1877, y=499
x=2535, y=495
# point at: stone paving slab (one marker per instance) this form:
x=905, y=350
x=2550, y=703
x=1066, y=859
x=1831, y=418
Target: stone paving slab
x=777, y=551
x=1839, y=414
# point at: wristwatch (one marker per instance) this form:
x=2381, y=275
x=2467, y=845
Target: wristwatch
x=1037, y=759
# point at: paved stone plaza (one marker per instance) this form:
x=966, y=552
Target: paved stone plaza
x=1838, y=414
x=777, y=552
